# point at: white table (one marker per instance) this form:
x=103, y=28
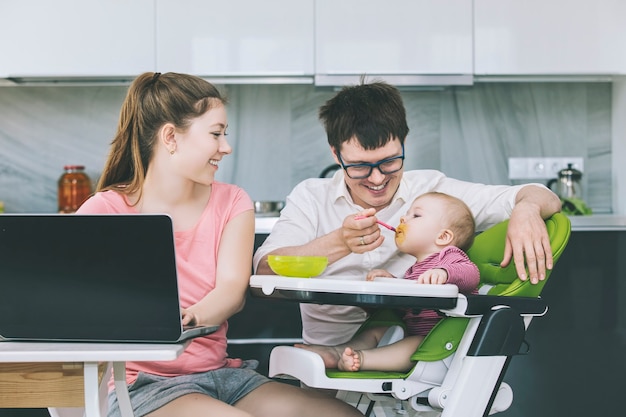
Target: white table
x=386, y=292
x=91, y=354
x=350, y=290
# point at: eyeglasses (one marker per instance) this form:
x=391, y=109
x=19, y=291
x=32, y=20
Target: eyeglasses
x=364, y=170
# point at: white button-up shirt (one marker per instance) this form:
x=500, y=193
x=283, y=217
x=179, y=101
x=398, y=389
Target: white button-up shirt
x=318, y=206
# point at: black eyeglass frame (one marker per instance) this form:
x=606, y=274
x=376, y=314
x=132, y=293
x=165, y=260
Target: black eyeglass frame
x=371, y=165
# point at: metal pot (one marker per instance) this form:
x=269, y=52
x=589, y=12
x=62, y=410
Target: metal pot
x=268, y=208
x=567, y=185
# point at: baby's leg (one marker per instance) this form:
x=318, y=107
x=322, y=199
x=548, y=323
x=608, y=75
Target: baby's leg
x=331, y=355
x=350, y=360
x=393, y=357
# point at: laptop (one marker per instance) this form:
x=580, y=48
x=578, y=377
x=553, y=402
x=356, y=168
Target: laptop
x=90, y=278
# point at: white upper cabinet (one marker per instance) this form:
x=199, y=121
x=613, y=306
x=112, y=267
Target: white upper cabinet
x=76, y=38
x=235, y=37
x=553, y=37
x=408, y=42
x=393, y=37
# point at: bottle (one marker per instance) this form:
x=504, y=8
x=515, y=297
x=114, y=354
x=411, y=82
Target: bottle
x=74, y=188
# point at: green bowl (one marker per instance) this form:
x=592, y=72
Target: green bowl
x=297, y=266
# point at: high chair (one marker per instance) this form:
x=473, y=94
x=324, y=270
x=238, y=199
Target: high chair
x=461, y=363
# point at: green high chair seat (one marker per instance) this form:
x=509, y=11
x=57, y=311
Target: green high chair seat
x=461, y=362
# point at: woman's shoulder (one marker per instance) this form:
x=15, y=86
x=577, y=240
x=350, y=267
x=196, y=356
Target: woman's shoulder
x=225, y=190
x=224, y=193
x=106, y=202
x=224, y=186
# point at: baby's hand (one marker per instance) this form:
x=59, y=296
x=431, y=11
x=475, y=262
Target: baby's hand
x=433, y=276
x=377, y=273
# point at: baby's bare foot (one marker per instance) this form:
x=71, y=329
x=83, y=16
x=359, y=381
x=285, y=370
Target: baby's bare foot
x=330, y=355
x=350, y=360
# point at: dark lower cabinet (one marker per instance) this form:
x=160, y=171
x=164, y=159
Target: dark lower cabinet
x=576, y=364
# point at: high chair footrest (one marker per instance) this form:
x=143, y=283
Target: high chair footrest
x=309, y=368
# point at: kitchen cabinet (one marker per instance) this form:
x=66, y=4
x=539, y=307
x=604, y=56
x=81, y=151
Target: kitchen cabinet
x=556, y=37
x=235, y=38
x=393, y=37
x=578, y=346
x=76, y=38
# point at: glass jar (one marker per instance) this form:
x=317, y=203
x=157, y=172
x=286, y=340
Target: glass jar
x=74, y=188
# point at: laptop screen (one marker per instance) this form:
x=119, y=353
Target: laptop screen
x=88, y=278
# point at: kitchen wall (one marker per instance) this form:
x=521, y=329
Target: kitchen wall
x=467, y=132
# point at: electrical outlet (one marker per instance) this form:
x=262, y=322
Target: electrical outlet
x=541, y=168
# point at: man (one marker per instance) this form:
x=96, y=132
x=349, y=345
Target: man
x=366, y=129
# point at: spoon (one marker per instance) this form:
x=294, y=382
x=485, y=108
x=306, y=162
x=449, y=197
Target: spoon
x=383, y=224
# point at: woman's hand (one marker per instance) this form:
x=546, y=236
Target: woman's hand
x=188, y=318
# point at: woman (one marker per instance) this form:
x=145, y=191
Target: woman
x=170, y=140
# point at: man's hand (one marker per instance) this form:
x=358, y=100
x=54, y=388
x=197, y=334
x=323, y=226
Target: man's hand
x=527, y=241
x=360, y=232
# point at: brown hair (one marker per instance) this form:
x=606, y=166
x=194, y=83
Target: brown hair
x=372, y=113
x=459, y=218
x=153, y=99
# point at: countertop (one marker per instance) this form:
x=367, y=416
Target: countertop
x=593, y=223
x=598, y=223
x=263, y=225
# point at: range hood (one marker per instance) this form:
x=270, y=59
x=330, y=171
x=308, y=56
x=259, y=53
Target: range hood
x=399, y=80
x=403, y=81
x=319, y=80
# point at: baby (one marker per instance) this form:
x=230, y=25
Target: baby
x=436, y=230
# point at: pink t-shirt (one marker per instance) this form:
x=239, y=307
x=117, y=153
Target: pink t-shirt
x=461, y=271
x=196, y=263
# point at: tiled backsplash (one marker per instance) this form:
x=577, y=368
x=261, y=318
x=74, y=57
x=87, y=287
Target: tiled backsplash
x=467, y=132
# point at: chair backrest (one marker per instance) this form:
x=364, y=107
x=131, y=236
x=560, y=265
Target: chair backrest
x=487, y=253
x=488, y=250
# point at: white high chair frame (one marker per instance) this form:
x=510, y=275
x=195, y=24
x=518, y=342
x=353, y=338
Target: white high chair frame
x=495, y=333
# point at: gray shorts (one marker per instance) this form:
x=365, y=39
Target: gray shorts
x=150, y=392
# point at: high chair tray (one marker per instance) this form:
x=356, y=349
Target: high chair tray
x=352, y=290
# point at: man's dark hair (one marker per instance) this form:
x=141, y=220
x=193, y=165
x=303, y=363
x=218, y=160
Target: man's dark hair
x=372, y=113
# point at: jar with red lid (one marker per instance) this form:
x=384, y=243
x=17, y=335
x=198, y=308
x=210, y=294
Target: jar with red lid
x=74, y=188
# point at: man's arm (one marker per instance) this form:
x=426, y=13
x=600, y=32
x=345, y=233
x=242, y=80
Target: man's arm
x=527, y=240
x=335, y=245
